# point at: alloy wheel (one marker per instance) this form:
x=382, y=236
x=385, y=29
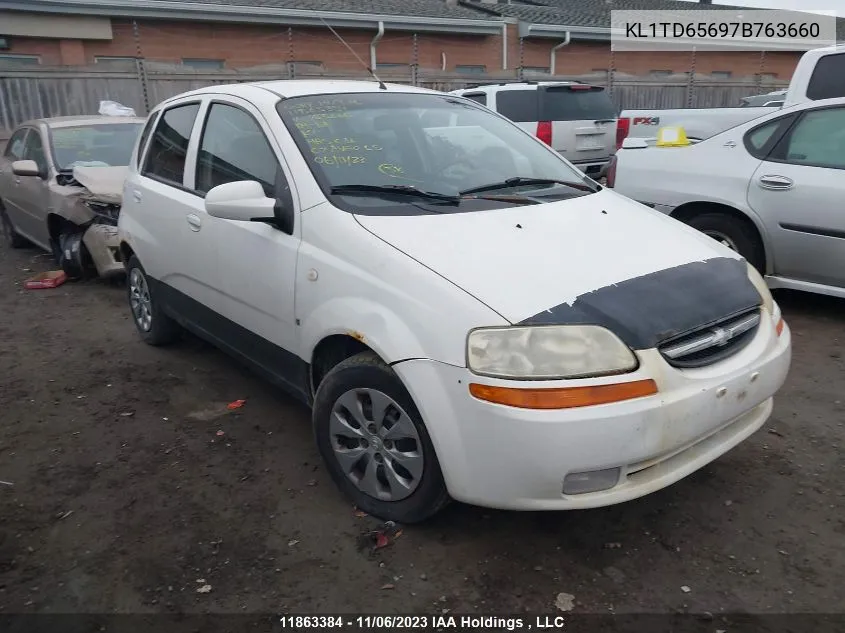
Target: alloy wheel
x=140, y=300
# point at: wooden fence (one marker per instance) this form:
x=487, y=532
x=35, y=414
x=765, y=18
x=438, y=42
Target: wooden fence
x=30, y=92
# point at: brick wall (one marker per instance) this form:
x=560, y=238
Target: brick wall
x=584, y=57
x=48, y=49
x=242, y=45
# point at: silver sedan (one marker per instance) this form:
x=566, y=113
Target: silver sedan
x=61, y=182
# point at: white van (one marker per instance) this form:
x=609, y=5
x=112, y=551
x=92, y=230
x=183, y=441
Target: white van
x=469, y=316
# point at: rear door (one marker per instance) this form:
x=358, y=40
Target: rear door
x=799, y=191
x=583, y=121
x=176, y=239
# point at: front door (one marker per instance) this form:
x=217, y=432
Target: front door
x=257, y=262
x=799, y=191
x=33, y=194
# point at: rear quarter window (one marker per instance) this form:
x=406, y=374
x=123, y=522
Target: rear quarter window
x=828, y=79
x=521, y=106
x=565, y=104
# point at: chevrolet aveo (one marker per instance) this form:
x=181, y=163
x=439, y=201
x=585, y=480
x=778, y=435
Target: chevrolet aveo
x=468, y=315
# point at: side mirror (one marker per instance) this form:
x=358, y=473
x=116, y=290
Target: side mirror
x=25, y=168
x=242, y=201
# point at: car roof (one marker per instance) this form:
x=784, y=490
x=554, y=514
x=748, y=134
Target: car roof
x=82, y=119
x=517, y=85
x=303, y=87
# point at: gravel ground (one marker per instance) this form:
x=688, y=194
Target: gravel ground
x=134, y=486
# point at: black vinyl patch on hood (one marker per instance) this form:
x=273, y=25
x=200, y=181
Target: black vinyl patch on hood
x=648, y=310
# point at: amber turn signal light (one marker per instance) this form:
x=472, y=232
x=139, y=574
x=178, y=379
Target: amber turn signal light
x=564, y=398
x=779, y=326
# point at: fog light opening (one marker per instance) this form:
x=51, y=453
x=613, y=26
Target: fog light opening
x=590, y=481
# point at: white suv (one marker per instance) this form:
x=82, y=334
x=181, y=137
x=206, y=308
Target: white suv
x=468, y=315
x=576, y=119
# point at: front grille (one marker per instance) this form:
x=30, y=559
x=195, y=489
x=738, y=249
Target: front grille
x=713, y=343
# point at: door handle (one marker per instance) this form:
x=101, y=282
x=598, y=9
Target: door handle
x=194, y=221
x=776, y=182
x=730, y=144
x=17, y=181
x=136, y=195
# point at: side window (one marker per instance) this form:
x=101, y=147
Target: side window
x=169, y=144
x=828, y=79
x=34, y=150
x=233, y=147
x=478, y=97
x=145, y=134
x=818, y=139
x=521, y=106
x=14, y=148
x=757, y=139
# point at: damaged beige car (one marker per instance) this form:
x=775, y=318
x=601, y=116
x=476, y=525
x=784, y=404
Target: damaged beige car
x=61, y=185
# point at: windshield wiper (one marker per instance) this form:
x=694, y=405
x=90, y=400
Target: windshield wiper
x=519, y=180
x=402, y=190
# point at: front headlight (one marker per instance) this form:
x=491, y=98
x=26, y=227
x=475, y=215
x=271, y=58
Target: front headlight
x=548, y=352
x=763, y=288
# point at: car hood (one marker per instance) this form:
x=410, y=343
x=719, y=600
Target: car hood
x=103, y=183
x=600, y=258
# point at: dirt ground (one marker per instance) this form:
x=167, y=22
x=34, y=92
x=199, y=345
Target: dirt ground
x=127, y=498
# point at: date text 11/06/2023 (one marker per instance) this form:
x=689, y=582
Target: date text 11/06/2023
x=436, y=622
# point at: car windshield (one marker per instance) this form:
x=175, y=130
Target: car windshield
x=94, y=145
x=375, y=151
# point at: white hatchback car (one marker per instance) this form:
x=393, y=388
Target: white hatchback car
x=469, y=316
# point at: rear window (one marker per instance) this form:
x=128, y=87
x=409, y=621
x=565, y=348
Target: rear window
x=518, y=105
x=828, y=80
x=565, y=104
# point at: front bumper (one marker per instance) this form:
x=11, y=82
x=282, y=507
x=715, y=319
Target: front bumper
x=103, y=244
x=503, y=457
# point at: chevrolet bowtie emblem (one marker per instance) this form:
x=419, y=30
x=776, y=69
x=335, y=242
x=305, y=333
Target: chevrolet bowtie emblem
x=721, y=336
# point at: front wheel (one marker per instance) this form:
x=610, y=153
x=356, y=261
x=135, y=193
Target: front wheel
x=375, y=443
x=736, y=234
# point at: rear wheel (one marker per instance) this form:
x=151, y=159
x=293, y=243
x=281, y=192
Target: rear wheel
x=11, y=237
x=154, y=326
x=375, y=443
x=738, y=235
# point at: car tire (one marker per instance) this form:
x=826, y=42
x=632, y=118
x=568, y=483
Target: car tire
x=11, y=237
x=72, y=255
x=362, y=460
x=154, y=326
x=736, y=234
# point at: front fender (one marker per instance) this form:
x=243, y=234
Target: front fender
x=351, y=282
x=371, y=323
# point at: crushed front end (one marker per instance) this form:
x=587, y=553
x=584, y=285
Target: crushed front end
x=90, y=198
